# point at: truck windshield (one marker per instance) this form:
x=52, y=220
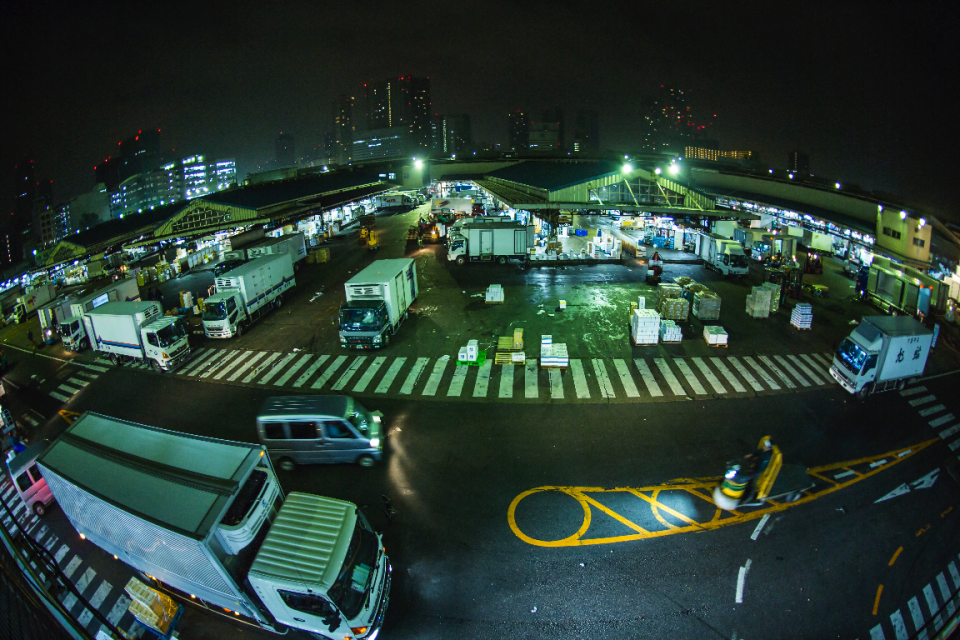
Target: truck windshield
x=360, y=319
x=851, y=356
x=214, y=311
x=738, y=260
x=171, y=334
x=70, y=328
x=350, y=590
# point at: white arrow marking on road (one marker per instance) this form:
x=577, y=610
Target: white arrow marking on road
x=923, y=483
x=899, y=491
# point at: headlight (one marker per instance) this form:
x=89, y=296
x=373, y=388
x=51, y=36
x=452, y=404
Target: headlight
x=376, y=419
x=377, y=339
x=343, y=338
x=374, y=442
x=165, y=356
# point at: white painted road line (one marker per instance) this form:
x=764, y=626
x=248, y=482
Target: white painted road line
x=690, y=377
x=261, y=367
x=805, y=370
x=728, y=375
x=459, y=377
x=780, y=374
x=506, y=380
x=579, y=378
x=912, y=391
x=119, y=608
x=312, y=369
x=741, y=579
x=954, y=574
x=825, y=360
x=390, y=375
x=414, y=375
x=746, y=375
x=606, y=387
x=59, y=396
x=917, y=616
x=671, y=379
x=556, y=384
x=292, y=370
x=72, y=566
x=934, y=607
x=924, y=400
x=328, y=372
x=761, y=372
x=86, y=579
x=482, y=383
x=95, y=601
x=648, y=380
x=789, y=369
x=213, y=364
x=238, y=360
x=530, y=386
x=61, y=552
x=367, y=376
x=816, y=366
x=954, y=445
x=942, y=420
x=247, y=365
x=946, y=433
x=92, y=366
x=709, y=375
x=899, y=628
x=877, y=633
x=78, y=382
x=626, y=379
x=760, y=525
x=945, y=594
x=277, y=368
x=937, y=408
x=350, y=371
x=433, y=382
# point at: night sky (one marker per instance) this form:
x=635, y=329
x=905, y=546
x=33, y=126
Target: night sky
x=863, y=89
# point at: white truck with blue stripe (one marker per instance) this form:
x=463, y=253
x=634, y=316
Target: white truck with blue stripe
x=246, y=293
x=137, y=331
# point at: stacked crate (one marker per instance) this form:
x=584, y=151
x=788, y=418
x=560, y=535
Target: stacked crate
x=758, y=303
x=706, y=305
x=774, y=290
x=802, y=316
x=553, y=355
x=645, y=326
x=715, y=336
x=494, y=294
x=670, y=302
x=670, y=331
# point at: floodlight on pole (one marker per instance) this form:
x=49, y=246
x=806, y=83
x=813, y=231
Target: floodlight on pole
x=657, y=171
x=418, y=163
x=627, y=167
x=674, y=169
x=903, y=215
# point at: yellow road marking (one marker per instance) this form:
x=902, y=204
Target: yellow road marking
x=700, y=488
x=69, y=416
x=876, y=603
x=895, y=555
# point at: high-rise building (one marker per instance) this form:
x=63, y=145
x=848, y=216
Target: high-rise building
x=286, y=152
x=798, y=162
x=139, y=153
x=586, y=133
x=709, y=150
x=404, y=102
x=544, y=138
x=108, y=173
x=343, y=128
x=43, y=212
x=518, y=131
x=186, y=179
x=378, y=144
x=378, y=105
x=669, y=123
x=554, y=116
x=14, y=229
x=450, y=135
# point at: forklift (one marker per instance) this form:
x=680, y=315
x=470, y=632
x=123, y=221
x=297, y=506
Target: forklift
x=813, y=264
x=760, y=477
x=790, y=279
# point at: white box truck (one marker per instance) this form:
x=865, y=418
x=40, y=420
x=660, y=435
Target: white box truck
x=72, y=330
x=378, y=301
x=456, y=206
x=393, y=202
x=52, y=316
x=206, y=519
x=722, y=254
x=292, y=244
x=489, y=239
x=245, y=294
x=138, y=331
x=30, y=301
x=882, y=353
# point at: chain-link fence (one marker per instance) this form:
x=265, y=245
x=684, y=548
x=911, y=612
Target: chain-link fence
x=22, y=616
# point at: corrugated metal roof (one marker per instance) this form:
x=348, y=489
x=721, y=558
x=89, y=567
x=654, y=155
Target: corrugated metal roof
x=119, y=228
x=267, y=194
x=799, y=207
x=381, y=270
x=555, y=175
x=307, y=541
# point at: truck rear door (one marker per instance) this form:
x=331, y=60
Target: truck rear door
x=486, y=242
x=519, y=241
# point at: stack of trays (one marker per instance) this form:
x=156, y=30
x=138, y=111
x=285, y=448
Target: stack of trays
x=645, y=326
x=667, y=291
x=802, y=316
x=494, y=294
x=469, y=353
x=670, y=331
x=715, y=335
x=706, y=305
x=553, y=355
x=774, y=290
x=758, y=303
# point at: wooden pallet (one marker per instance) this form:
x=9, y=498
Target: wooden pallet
x=506, y=358
x=494, y=302
x=716, y=346
x=645, y=344
x=505, y=343
x=672, y=342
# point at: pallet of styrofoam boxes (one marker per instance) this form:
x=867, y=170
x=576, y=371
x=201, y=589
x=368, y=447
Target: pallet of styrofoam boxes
x=553, y=355
x=706, y=305
x=494, y=294
x=150, y=607
x=715, y=336
x=670, y=331
x=802, y=316
x=644, y=326
x=774, y=290
x=469, y=353
x=641, y=303
x=758, y=303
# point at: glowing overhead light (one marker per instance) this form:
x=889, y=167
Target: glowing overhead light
x=657, y=171
x=791, y=176
x=922, y=222
x=903, y=215
x=837, y=184
x=674, y=169
x=627, y=167
x=418, y=164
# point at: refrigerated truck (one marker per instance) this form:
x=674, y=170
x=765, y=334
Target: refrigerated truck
x=247, y=293
x=138, y=331
x=378, y=301
x=395, y=201
x=31, y=300
x=207, y=519
x=486, y=239
x=292, y=244
x=882, y=353
x=52, y=316
x=72, y=329
x=722, y=254
x=456, y=206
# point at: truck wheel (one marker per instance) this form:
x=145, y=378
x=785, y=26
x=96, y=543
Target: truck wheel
x=114, y=360
x=39, y=508
x=502, y=260
x=366, y=461
x=278, y=302
x=84, y=344
x=864, y=392
x=156, y=366
x=239, y=331
x=460, y=260
x=286, y=464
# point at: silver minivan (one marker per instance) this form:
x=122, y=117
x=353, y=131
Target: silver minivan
x=319, y=429
x=30, y=485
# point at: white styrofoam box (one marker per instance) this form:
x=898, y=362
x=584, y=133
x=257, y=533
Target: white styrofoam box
x=641, y=303
x=462, y=354
x=473, y=343
x=563, y=305
x=518, y=357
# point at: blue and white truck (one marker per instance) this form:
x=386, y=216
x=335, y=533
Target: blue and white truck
x=881, y=354
x=138, y=331
x=247, y=293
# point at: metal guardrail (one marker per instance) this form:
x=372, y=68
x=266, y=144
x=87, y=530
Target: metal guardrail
x=944, y=622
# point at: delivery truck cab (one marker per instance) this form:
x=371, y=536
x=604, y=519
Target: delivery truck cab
x=73, y=334
x=28, y=481
x=882, y=353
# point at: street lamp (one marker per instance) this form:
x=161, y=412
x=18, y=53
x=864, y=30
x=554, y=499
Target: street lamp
x=418, y=163
x=903, y=215
x=657, y=171
x=673, y=169
x=627, y=167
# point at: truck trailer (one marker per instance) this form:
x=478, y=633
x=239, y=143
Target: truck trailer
x=882, y=353
x=455, y=206
x=292, y=244
x=395, y=202
x=72, y=329
x=378, y=301
x=247, y=293
x=722, y=254
x=205, y=519
x=31, y=300
x=489, y=239
x=52, y=316
x=138, y=331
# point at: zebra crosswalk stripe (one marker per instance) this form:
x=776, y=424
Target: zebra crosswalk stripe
x=433, y=382
x=77, y=381
x=218, y=357
x=328, y=372
x=390, y=375
x=214, y=365
x=68, y=389
x=459, y=377
x=246, y=366
x=805, y=369
x=483, y=380
x=825, y=361
x=899, y=628
x=506, y=381
x=744, y=373
x=945, y=594
x=261, y=367
x=709, y=375
x=760, y=372
x=531, y=387
x=934, y=607
x=579, y=379
x=312, y=369
x=414, y=375
x=556, y=384
x=277, y=368
x=917, y=616
x=687, y=373
x=290, y=372
x=59, y=396
x=199, y=360
x=816, y=366
x=651, y=383
x=606, y=386
x=233, y=363
x=626, y=379
x=789, y=369
x=119, y=608
x=350, y=371
x=367, y=376
x=954, y=574
x=780, y=374
x=671, y=379
x=87, y=374
x=731, y=379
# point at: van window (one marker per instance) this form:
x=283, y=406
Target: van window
x=307, y=603
x=273, y=431
x=337, y=429
x=23, y=481
x=35, y=473
x=303, y=431
x=152, y=339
